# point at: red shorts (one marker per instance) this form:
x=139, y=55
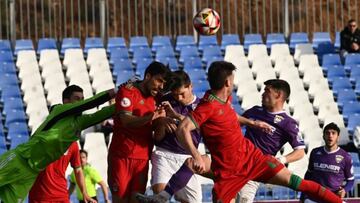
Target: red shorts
x=41, y=201
x=127, y=176
x=229, y=183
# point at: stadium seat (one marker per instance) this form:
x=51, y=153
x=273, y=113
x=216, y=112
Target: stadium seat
x=18, y=127
x=324, y=48
x=200, y=86
x=274, y=38
x=302, y=49
x=207, y=41
x=8, y=79
x=138, y=41
x=350, y=108
x=14, y=116
x=160, y=41
x=210, y=53
x=344, y=96
x=354, y=73
x=183, y=41
x=118, y=53
x=92, y=43
x=334, y=72
x=211, y=60
x=339, y=83
x=69, y=43
x=337, y=41
x=279, y=51
x=17, y=139
x=229, y=39
x=165, y=51
x=115, y=42
x=257, y=52
x=6, y=67
x=6, y=56
x=298, y=38
x=23, y=44
x=124, y=76
x=5, y=45
x=320, y=37
x=353, y=122
x=250, y=39
x=193, y=63
x=187, y=53
x=142, y=64
x=197, y=74
x=11, y=103
x=171, y=61
x=352, y=59
x=46, y=43
x=49, y=56
x=122, y=65
x=141, y=53
x=233, y=52
x=331, y=59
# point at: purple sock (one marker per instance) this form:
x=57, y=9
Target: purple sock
x=179, y=180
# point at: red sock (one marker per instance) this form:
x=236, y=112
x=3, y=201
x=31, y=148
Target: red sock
x=318, y=192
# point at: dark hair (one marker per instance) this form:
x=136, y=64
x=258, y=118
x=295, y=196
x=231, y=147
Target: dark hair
x=84, y=151
x=69, y=90
x=178, y=79
x=157, y=68
x=351, y=21
x=218, y=73
x=280, y=85
x=331, y=126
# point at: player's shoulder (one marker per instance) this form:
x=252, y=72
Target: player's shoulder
x=318, y=151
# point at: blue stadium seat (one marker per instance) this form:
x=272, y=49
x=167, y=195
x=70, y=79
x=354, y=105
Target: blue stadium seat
x=339, y=83
x=46, y=43
x=183, y=41
x=11, y=103
x=274, y=38
x=5, y=45
x=118, y=53
x=6, y=67
x=324, y=48
x=320, y=37
x=141, y=65
x=17, y=139
x=9, y=92
x=353, y=121
x=138, y=41
x=212, y=52
x=337, y=41
x=93, y=42
x=280, y=193
x=18, y=128
x=229, y=39
x=171, y=61
x=165, y=51
x=69, y=43
x=261, y=193
x=250, y=39
x=207, y=192
x=331, y=59
x=350, y=108
x=298, y=38
x=141, y=53
x=206, y=41
x=357, y=87
x=14, y=116
x=200, y=86
x=335, y=71
x=193, y=63
x=187, y=53
x=6, y=56
x=197, y=74
x=160, y=41
x=115, y=42
x=8, y=79
x=352, y=59
x=344, y=96
x=124, y=76
x=23, y=44
x=211, y=60
x=3, y=148
x=122, y=65
x=354, y=72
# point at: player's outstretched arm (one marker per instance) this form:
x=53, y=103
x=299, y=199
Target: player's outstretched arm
x=254, y=124
x=87, y=120
x=295, y=155
x=132, y=121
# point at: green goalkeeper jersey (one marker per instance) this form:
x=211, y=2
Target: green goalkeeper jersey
x=61, y=128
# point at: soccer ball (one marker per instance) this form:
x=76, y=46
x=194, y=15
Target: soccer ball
x=206, y=21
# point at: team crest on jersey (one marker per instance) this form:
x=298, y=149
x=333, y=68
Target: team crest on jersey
x=278, y=119
x=338, y=158
x=142, y=102
x=125, y=102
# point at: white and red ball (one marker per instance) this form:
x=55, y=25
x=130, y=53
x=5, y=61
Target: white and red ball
x=206, y=21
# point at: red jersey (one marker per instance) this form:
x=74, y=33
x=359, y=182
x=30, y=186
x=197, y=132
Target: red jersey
x=51, y=184
x=221, y=131
x=130, y=142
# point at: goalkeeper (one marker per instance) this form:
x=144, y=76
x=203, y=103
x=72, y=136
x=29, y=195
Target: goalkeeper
x=20, y=167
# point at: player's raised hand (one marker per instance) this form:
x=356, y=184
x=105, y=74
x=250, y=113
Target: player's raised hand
x=341, y=192
x=88, y=199
x=199, y=165
x=170, y=112
x=159, y=112
x=263, y=126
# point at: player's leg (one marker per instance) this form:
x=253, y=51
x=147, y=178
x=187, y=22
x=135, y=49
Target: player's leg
x=161, y=171
x=285, y=178
x=139, y=179
x=119, y=180
x=248, y=192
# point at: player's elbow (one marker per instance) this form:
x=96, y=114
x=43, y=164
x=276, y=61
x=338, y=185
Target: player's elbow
x=300, y=153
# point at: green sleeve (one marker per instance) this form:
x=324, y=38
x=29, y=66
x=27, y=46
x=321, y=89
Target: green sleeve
x=95, y=176
x=87, y=120
x=72, y=109
x=72, y=178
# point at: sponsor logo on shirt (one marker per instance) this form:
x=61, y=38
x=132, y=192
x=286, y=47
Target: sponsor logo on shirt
x=278, y=119
x=125, y=102
x=326, y=167
x=338, y=158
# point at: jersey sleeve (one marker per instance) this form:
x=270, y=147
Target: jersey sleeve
x=75, y=156
x=86, y=120
x=125, y=100
x=201, y=114
x=349, y=168
x=294, y=135
x=72, y=177
x=95, y=176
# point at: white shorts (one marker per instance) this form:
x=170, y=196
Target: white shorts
x=164, y=165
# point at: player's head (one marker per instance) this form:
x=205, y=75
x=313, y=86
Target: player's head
x=72, y=93
x=331, y=135
x=181, y=87
x=83, y=157
x=352, y=25
x=155, y=77
x=220, y=75
x=275, y=93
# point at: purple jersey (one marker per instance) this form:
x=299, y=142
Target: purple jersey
x=284, y=129
x=330, y=169
x=170, y=141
